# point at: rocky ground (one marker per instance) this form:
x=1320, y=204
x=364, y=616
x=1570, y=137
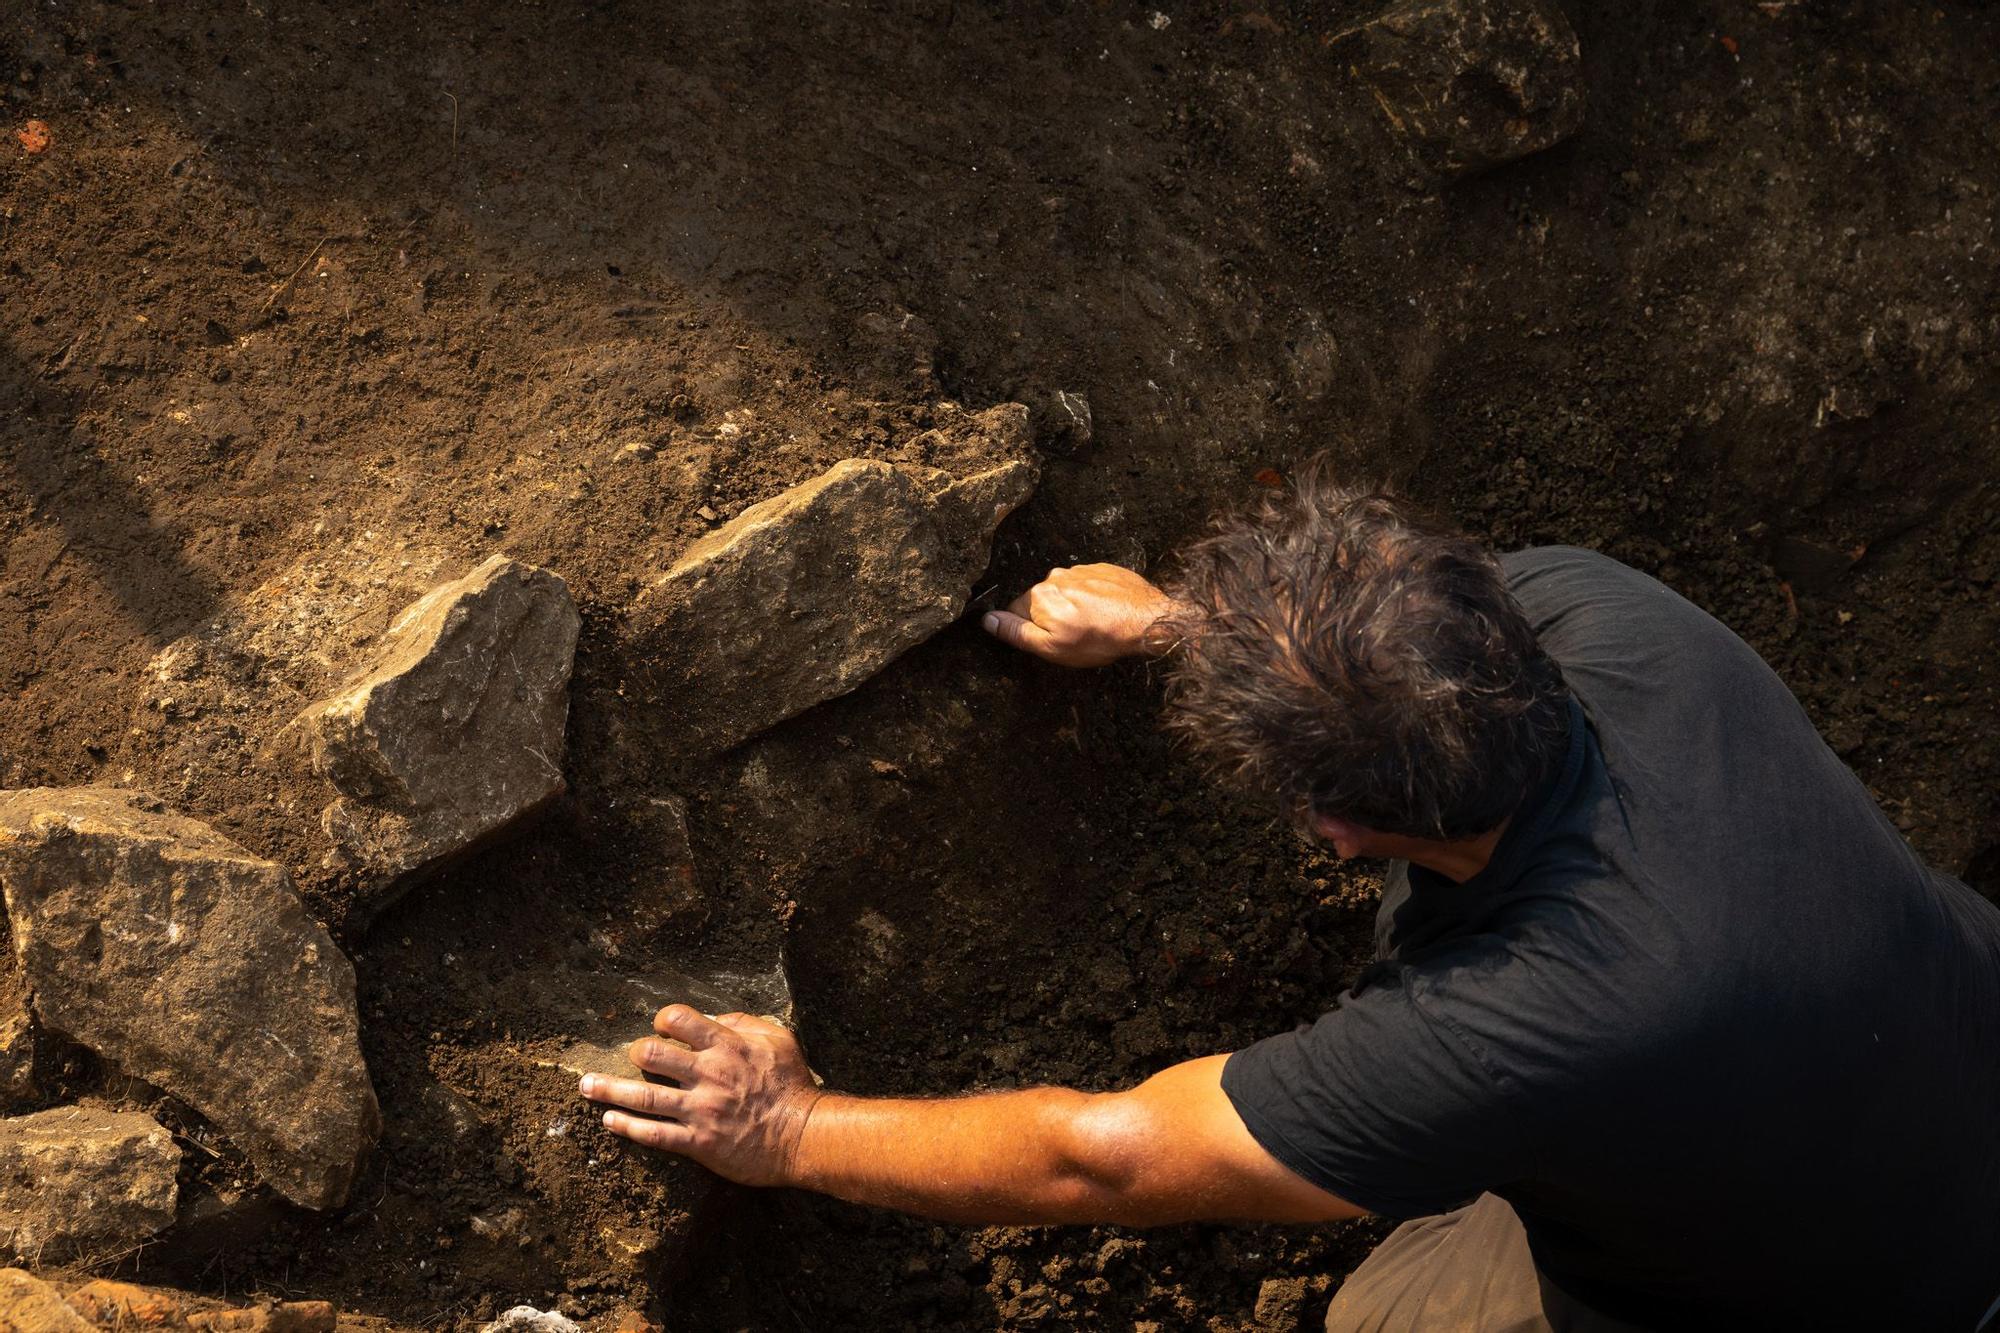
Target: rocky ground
x=492, y=503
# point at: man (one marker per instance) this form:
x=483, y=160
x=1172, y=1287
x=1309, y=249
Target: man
x=1670, y=1029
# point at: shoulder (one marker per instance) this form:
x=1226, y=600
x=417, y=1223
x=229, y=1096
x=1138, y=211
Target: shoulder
x=1548, y=579
x=1590, y=611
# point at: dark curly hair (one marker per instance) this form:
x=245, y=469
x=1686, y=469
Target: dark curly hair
x=1350, y=656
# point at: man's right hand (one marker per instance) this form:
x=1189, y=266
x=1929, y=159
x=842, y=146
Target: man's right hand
x=1086, y=616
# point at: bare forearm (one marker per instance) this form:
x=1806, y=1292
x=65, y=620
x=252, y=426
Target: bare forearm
x=1009, y=1157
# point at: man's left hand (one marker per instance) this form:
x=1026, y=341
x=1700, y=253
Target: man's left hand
x=744, y=1097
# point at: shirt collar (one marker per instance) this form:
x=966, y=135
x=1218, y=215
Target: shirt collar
x=1529, y=825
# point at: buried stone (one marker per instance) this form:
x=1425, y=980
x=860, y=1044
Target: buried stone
x=583, y=1016
x=79, y=1184
x=802, y=597
x=454, y=732
x=191, y=964
x=1469, y=84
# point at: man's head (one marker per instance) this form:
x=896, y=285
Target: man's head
x=1364, y=665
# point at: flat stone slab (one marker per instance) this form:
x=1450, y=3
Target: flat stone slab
x=608, y=1011
x=453, y=733
x=1469, y=84
x=78, y=1184
x=191, y=964
x=804, y=596
x=652, y=1204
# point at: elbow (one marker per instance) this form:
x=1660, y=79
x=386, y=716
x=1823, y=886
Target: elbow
x=1102, y=1145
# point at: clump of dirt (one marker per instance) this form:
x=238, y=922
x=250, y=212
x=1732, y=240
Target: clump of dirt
x=318, y=303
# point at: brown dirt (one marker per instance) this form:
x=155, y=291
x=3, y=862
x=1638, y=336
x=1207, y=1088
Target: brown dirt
x=303, y=305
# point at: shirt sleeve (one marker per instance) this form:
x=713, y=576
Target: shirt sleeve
x=1383, y=1102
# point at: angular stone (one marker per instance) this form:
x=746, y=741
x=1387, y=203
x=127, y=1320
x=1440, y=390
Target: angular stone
x=603, y=1012
x=527, y=1319
x=1069, y=424
x=1469, y=84
x=804, y=596
x=80, y=1184
x=454, y=732
x=30, y=1305
x=191, y=964
x=570, y=1017
x=1280, y=1300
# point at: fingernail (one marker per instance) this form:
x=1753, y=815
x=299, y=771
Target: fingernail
x=589, y=1085
x=611, y=1120
x=991, y=622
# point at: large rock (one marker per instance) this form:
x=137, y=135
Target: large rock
x=79, y=1184
x=191, y=964
x=804, y=596
x=454, y=733
x=1469, y=84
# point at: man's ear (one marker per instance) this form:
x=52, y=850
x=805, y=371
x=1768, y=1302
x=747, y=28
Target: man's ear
x=1343, y=835
x=1331, y=828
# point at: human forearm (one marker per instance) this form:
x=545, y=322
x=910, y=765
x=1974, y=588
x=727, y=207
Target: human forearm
x=1025, y=1157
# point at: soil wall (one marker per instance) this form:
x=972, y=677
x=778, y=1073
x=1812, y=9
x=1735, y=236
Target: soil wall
x=304, y=307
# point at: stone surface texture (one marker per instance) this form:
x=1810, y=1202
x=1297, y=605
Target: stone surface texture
x=577, y=1013
x=527, y=1319
x=17, y=1038
x=454, y=731
x=110, y=1304
x=802, y=597
x=600, y=1012
x=30, y=1305
x=82, y=1184
x=1470, y=84
x=191, y=964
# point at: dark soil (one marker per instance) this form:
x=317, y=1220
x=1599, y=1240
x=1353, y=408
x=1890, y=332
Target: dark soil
x=306, y=306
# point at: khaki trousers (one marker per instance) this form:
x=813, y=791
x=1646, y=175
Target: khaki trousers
x=1467, y=1271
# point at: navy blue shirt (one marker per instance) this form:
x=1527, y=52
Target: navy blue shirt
x=1730, y=1049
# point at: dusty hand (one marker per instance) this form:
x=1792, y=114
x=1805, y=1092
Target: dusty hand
x=1088, y=615
x=744, y=1096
